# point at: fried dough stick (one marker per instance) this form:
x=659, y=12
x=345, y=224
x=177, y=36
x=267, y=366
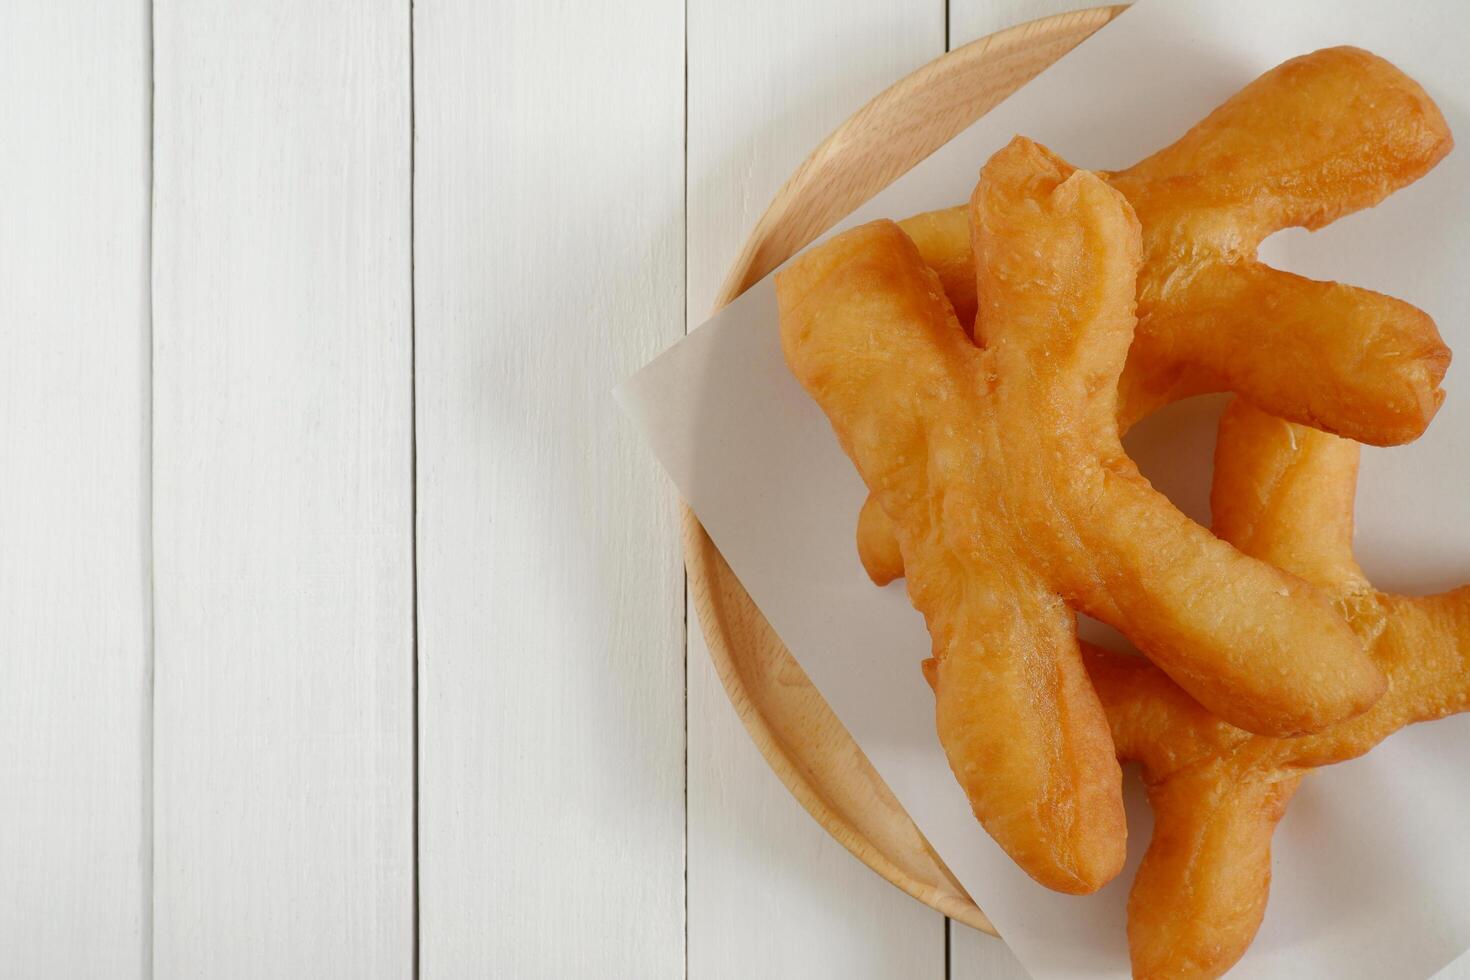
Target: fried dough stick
x=1283, y=493
x=1013, y=499
x=1313, y=139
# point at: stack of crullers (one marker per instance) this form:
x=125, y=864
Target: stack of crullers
x=979, y=366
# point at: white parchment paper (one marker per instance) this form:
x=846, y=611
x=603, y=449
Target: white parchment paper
x=1372, y=863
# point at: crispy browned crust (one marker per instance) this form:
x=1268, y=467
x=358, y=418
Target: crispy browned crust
x=1012, y=499
x=869, y=334
x=1283, y=493
x=1313, y=139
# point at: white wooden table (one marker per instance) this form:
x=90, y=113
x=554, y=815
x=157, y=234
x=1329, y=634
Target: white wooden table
x=342, y=620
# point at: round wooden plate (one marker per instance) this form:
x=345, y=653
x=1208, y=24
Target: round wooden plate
x=785, y=714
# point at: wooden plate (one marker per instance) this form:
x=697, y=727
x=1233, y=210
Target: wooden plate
x=785, y=714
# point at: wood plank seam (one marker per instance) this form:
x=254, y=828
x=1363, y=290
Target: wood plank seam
x=150, y=804
x=413, y=490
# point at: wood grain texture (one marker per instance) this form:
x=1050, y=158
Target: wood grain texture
x=785, y=715
x=970, y=20
x=74, y=490
x=549, y=258
x=771, y=893
x=283, y=482
x=275, y=838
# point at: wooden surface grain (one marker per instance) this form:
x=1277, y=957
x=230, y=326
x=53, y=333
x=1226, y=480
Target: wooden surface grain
x=283, y=754
x=74, y=714
x=970, y=20
x=342, y=615
x=549, y=228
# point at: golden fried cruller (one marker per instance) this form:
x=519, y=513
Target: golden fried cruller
x=1012, y=499
x=1283, y=493
x=1313, y=139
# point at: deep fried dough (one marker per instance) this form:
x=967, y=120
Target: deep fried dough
x=1283, y=493
x=1012, y=495
x=1313, y=139
x=869, y=334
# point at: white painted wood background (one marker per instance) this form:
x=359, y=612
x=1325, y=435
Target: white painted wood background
x=342, y=616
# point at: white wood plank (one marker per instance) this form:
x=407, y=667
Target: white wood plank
x=972, y=19
x=283, y=482
x=74, y=489
x=549, y=266
x=770, y=894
